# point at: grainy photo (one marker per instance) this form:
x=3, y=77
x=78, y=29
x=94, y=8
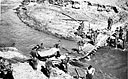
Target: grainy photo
x=63, y=39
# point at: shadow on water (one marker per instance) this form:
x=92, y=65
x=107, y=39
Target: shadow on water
x=112, y=61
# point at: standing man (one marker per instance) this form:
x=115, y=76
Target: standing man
x=33, y=52
x=80, y=29
x=124, y=38
x=127, y=34
x=120, y=33
x=80, y=45
x=117, y=37
x=110, y=22
x=41, y=46
x=58, y=44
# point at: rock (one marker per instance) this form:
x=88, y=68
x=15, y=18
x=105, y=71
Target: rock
x=11, y=54
x=25, y=71
x=59, y=74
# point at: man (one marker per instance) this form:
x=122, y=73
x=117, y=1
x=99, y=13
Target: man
x=120, y=33
x=18, y=9
x=126, y=35
x=8, y=70
x=80, y=45
x=90, y=35
x=40, y=47
x=47, y=68
x=117, y=37
x=1, y=67
x=80, y=29
x=120, y=37
x=33, y=52
x=25, y=2
x=90, y=72
x=34, y=56
x=82, y=25
x=95, y=34
x=33, y=63
x=110, y=22
x=58, y=45
x=63, y=63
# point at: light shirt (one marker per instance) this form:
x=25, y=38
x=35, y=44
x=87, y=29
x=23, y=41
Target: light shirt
x=91, y=71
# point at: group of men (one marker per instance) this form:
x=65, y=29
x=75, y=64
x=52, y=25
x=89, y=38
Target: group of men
x=55, y=61
x=51, y=60
x=117, y=40
x=119, y=36
x=91, y=36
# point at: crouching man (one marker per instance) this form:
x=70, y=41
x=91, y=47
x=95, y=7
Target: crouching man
x=61, y=62
x=64, y=64
x=47, y=68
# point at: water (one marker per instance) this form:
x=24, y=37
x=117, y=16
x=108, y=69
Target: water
x=25, y=37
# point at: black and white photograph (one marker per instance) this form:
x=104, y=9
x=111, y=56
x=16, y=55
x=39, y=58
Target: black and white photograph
x=63, y=39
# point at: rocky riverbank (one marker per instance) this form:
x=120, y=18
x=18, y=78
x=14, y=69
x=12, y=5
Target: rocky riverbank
x=62, y=22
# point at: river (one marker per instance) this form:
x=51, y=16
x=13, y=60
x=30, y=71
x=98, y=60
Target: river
x=25, y=37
